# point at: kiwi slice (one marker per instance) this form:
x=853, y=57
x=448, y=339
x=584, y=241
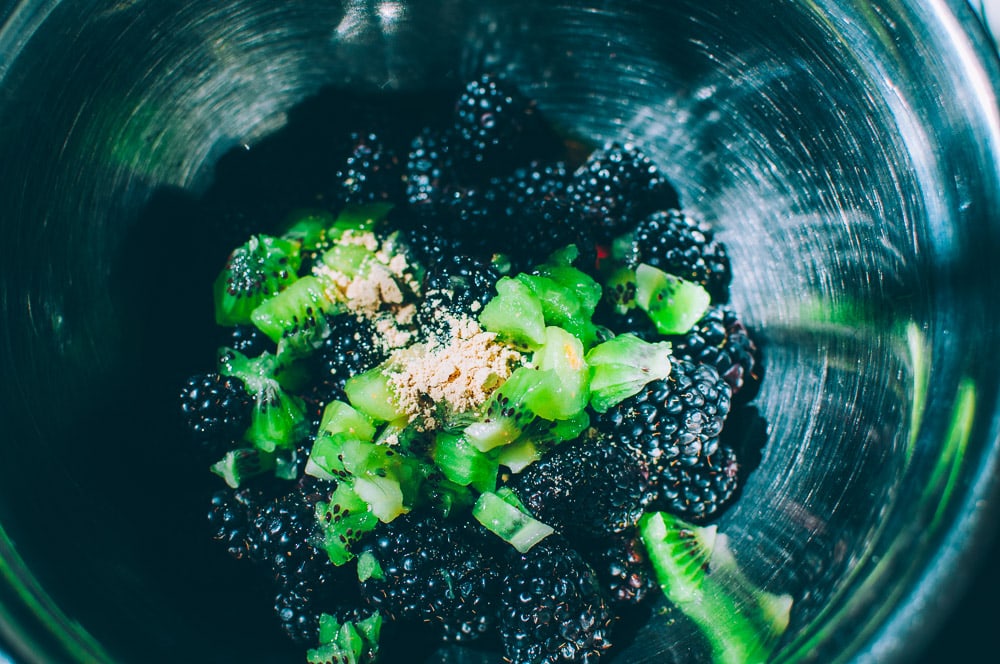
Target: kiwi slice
x=296, y=318
x=242, y=464
x=371, y=393
x=505, y=413
x=502, y=514
x=341, y=417
x=623, y=365
x=348, y=642
x=538, y=437
x=742, y=623
x=515, y=315
x=563, y=376
x=254, y=271
x=462, y=463
x=674, y=304
x=343, y=521
x=278, y=419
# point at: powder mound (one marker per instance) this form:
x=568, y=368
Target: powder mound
x=455, y=375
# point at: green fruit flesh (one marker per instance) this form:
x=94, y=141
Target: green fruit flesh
x=563, y=377
x=255, y=271
x=462, y=463
x=371, y=393
x=239, y=465
x=561, y=306
x=741, y=623
x=622, y=366
x=509, y=522
x=673, y=304
x=340, y=417
x=515, y=315
x=295, y=318
x=343, y=521
x=505, y=413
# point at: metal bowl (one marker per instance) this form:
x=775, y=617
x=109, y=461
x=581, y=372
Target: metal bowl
x=847, y=152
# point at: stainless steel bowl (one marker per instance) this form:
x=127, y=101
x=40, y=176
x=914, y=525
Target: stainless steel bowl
x=848, y=153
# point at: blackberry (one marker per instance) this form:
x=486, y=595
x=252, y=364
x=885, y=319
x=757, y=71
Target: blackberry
x=215, y=408
x=430, y=168
x=699, y=492
x=616, y=187
x=427, y=245
x=722, y=341
x=685, y=247
x=551, y=607
x=634, y=321
x=623, y=567
x=537, y=217
x=372, y=171
x=671, y=422
x=563, y=490
x=490, y=122
x=456, y=286
x=249, y=340
x=230, y=515
x=349, y=350
x=432, y=572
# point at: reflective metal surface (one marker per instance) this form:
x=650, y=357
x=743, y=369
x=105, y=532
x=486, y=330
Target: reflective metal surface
x=848, y=153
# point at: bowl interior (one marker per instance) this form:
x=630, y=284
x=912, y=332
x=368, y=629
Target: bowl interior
x=850, y=171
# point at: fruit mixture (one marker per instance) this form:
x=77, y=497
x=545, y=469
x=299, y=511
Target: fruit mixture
x=480, y=394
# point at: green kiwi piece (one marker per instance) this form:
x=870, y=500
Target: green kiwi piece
x=620, y=290
x=561, y=306
x=674, y=304
x=538, y=437
x=348, y=642
x=506, y=518
x=515, y=315
x=740, y=622
x=242, y=464
x=371, y=393
x=254, y=271
x=505, y=413
x=341, y=417
x=622, y=366
x=278, y=420
x=343, y=521
x=563, y=376
x=296, y=318
x=462, y=463
x=309, y=228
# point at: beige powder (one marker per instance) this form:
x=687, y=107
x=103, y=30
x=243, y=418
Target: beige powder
x=458, y=375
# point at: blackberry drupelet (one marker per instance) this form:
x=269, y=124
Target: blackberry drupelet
x=430, y=168
x=349, y=349
x=249, y=340
x=427, y=245
x=685, y=247
x=432, y=571
x=552, y=609
x=699, y=492
x=616, y=187
x=563, y=489
x=491, y=117
x=215, y=408
x=538, y=217
x=457, y=286
x=372, y=171
x=623, y=568
x=673, y=421
x=722, y=341
x=230, y=514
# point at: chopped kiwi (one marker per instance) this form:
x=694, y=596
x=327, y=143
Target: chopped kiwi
x=462, y=463
x=539, y=436
x=505, y=413
x=623, y=365
x=242, y=464
x=348, y=642
x=296, y=318
x=339, y=417
x=255, y=271
x=343, y=520
x=308, y=228
x=371, y=393
x=278, y=419
x=673, y=304
x=515, y=314
x=561, y=306
x=502, y=514
x=563, y=375
x=741, y=623
x=620, y=290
